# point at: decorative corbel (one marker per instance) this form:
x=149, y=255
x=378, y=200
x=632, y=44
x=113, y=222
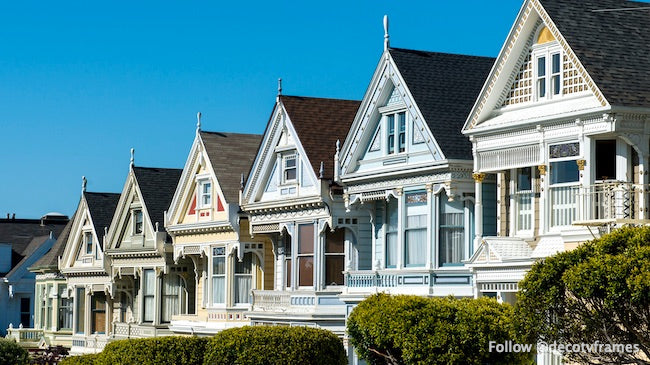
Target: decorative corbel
x=478, y=177
x=581, y=164
x=542, y=170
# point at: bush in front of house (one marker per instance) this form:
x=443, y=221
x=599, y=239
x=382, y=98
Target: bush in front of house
x=170, y=350
x=88, y=359
x=407, y=329
x=275, y=345
x=11, y=353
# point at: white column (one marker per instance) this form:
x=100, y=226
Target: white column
x=542, y=200
x=400, y=228
x=478, y=208
x=431, y=223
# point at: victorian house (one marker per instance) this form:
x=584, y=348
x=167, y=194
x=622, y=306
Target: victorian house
x=407, y=168
x=82, y=304
x=562, y=124
x=211, y=238
x=291, y=197
x=146, y=287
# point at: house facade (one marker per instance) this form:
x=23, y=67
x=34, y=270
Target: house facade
x=210, y=235
x=291, y=198
x=562, y=125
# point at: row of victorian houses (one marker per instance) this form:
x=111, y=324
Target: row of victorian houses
x=451, y=176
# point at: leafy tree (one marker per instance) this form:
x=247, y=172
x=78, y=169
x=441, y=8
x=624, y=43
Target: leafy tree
x=599, y=292
x=406, y=329
x=11, y=353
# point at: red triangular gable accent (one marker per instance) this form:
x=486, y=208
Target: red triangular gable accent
x=219, y=205
x=192, y=207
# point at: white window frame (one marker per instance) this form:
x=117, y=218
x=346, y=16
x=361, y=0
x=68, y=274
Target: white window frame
x=552, y=186
x=134, y=218
x=283, y=161
x=215, y=254
x=396, y=131
x=547, y=50
x=515, y=216
x=85, y=236
x=203, y=194
x=148, y=311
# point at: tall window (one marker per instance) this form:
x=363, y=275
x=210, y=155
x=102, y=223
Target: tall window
x=524, y=199
x=65, y=309
x=149, y=294
x=244, y=278
x=396, y=123
x=548, y=75
x=218, y=275
x=391, y=233
x=138, y=222
x=205, y=194
x=287, y=258
x=415, y=232
x=98, y=309
x=25, y=312
x=452, y=231
x=81, y=310
x=171, y=296
x=305, y=254
x=88, y=242
x=48, y=321
x=289, y=168
x=334, y=256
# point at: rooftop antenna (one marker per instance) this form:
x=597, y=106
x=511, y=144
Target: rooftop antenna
x=198, y=122
x=386, y=36
x=84, y=182
x=279, y=89
x=132, y=157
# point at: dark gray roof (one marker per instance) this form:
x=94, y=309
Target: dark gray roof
x=50, y=260
x=157, y=186
x=231, y=154
x=21, y=232
x=33, y=245
x=445, y=87
x=319, y=122
x=614, y=46
x=102, y=208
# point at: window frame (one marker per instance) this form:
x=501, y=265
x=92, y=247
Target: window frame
x=547, y=51
x=88, y=244
x=329, y=255
x=394, y=231
x=203, y=195
x=418, y=206
x=137, y=217
x=305, y=255
x=283, y=160
x=218, y=252
x=145, y=295
x=396, y=138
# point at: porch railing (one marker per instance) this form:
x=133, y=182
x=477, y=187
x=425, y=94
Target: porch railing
x=270, y=300
x=25, y=335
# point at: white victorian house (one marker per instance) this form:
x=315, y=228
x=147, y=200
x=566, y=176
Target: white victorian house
x=291, y=198
x=210, y=234
x=86, y=296
x=563, y=124
x=407, y=168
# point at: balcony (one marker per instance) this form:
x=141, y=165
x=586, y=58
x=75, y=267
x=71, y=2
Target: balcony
x=26, y=337
x=90, y=344
x=408, y=281
x=131, y=330
x=295, y=302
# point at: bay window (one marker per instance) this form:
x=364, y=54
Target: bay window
x=334, y=256
x=148, y=293
x=171, y=294
x=81, y=310
x=451, y=231
x=305, y=254
x=98, y=310
x=415, y=230
x=244, y=278
x=564, y=180
x=392, y=218
x=65, y=309
x=218, y=275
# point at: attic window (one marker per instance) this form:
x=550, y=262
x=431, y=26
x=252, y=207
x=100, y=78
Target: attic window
x=289, y=168
x=396, y=136
x=205, y=194
x=88, y=242
x=138, y=223
x=548, y=66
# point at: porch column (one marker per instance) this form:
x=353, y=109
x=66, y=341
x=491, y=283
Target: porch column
x=478, y=208
x=430, y=225
x=643, y=189
x=281, y=274
x=541, y=211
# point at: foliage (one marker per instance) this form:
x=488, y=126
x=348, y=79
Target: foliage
x=51, y=355
x=275, y=345
x=172, y=350
x=89, y=359
x=406, y=329
x=11, y=353
x=598, y=292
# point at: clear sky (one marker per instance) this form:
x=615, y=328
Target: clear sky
x=83, y=82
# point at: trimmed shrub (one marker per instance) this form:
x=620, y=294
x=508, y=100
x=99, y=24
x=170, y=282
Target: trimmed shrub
x=170, y=350
x=275, y=345
x=406, y=329
x=89, y=359
x=11, y=353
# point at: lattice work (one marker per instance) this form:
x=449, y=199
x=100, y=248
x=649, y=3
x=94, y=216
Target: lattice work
x=521, y=90
x=572, y=82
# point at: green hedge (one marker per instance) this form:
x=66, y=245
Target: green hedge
x=275, y=345
x=415, y=330
x=89, y=359
x=11, y=353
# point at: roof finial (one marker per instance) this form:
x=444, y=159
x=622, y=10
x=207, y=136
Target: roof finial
x=386, y=36
x=84, y=182
x=241, y=182
x=321, y=172
x=132, y=157
x=338, y=145
x=279, y=86
x=198, y=122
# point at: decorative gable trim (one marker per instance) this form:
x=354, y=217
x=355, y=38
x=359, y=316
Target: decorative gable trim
x=503, y=63
x=74, y=243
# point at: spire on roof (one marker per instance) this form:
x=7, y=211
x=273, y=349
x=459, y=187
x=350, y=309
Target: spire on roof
x=321, y=172
x=279, y=89
x=386, y=36
x=198, y=122
x=132, y=156
x=84, y=182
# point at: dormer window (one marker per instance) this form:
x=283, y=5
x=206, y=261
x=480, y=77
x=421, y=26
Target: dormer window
x=88, y=242
x=396, y=136
x=289, y=169
x=138, y=223
x=205, y=194
x=548, y=66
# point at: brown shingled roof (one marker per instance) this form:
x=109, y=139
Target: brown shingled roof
x=319, y=123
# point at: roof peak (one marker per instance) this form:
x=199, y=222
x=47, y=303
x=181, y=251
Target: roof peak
x=314, y=98
x=437, y=53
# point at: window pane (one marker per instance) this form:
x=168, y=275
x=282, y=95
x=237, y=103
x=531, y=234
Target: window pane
x=391, y=134
x=89, y=242
x=288, y=268
x=556, y=63
x=606, y=159
x=218, y=265
x=305, y=238
x=290, y=174
x=334, y=241
x=81, y=309
x=415, y=246
x=218, y=289
x=171, y=293
x=98, y=313
x=556, y=84
x=242, y=288
x=564, y=172
x=334, y=270
x=149, y=307
x=306, y=271
x=391, y=249
x=541, y=66
x=541, y=87
x=244, y=267
x=452, y=231
x=149, y=282
x=391, y=212
x=524, y=179
x=290, y=162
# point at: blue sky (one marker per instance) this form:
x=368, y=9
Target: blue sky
x=83, y=82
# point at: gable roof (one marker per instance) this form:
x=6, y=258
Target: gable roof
x=51, y=259
x=445, y=87
x=231, y=154
x=157, y=186
x=102, y=207
x=613, y=46
x=319, y=123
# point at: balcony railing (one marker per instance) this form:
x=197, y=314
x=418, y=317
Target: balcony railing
x=25, y=336
x=388, y=278
x=132, y=330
